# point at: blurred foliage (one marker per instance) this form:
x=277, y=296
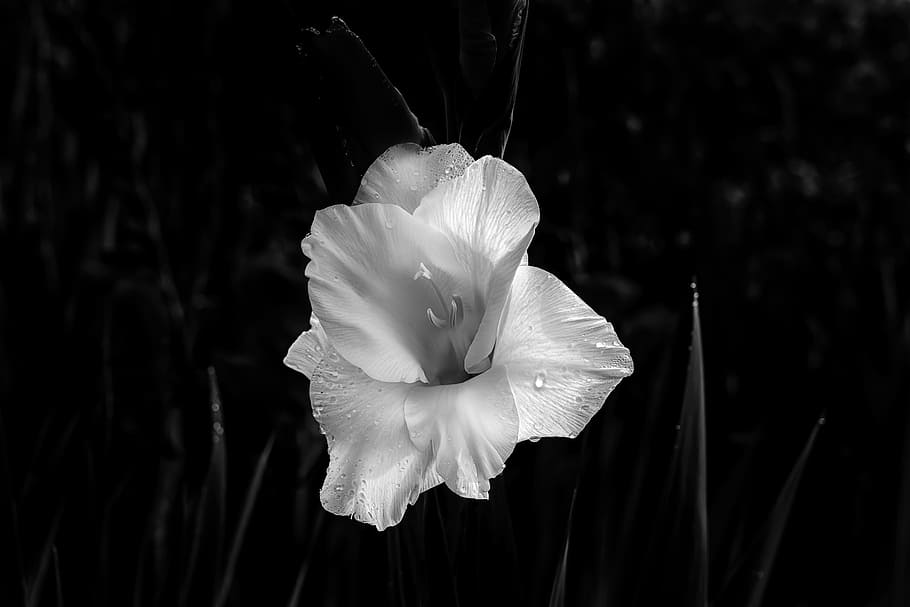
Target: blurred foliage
x=157, y=172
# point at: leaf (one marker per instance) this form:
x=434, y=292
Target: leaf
x=358, y=112
x=478, y=68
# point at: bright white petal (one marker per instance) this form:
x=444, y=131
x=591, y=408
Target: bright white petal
x=470, y=427
x=374, y=469
x=362, y=288
x=404, y=173
x=308, y=349
x=563, y=359
x=490, y=214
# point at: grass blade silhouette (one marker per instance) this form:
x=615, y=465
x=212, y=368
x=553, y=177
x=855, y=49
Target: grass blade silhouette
x=208, y=512
x=36, y=584
x=777, y=522
x=678, y=550
x=688, y=471
x=558, y=594
x=57, y=584
x=14, y=589
x=248, y=503
x=307, y=558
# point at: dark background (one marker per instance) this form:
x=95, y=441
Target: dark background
x=158, y=171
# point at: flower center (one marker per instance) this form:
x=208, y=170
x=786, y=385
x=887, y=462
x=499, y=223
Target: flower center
x=447, y=315
x=454, y=310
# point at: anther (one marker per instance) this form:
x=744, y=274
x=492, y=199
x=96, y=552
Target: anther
x=437, y=322
x=456, y=311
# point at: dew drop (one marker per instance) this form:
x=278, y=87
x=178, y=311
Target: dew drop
x=534, y=439
x=339, y=488
x=540, y=380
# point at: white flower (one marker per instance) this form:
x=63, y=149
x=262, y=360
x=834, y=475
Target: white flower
x=434, y=347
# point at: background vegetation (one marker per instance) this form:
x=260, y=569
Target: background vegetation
x=158, y=168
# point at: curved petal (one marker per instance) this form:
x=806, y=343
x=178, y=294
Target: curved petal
x=404, y=173
x=490, y=214
x=308, y=349
x=563, y=358
x=363, y=289
x=374, y=468
x=470, y=428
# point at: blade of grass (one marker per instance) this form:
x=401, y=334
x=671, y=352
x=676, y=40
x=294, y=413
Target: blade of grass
x=777, y=522
x=682, y=519
x=307, y=558
x=57, y=584
x=748, y=578
x=248, y=503
x=155, y=542
x=558, y=594
x=36, y=584
x=15, y=592
x=692, y=457
x=901, y=588
x=210, y=505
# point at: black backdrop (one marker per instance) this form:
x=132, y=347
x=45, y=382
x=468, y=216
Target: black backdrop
x=159, y=169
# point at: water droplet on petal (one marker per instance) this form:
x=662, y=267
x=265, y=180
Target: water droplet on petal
x=540, y=379
x=534, y=439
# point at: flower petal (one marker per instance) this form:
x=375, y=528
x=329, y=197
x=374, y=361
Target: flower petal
x=404, y=173
x=374, y=468
x=362, y=288
x=470, y=427
x=308, y=349
x=490, y=214
x=563, y=359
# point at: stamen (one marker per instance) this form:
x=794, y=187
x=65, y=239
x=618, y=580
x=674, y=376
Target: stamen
x=437, y=322
x=424, y=273
x=456, y=311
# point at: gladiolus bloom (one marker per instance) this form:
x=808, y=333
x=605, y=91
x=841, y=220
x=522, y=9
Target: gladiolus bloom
x=434, y=348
